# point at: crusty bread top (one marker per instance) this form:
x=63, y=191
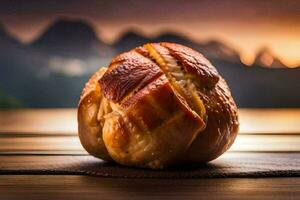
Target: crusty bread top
x=167, y=90
x=133, y=70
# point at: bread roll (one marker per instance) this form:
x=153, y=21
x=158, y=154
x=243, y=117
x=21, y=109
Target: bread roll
x=158, y=105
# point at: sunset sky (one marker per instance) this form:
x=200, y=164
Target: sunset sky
x=245, y=25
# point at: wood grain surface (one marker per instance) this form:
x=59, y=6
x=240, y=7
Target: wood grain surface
x=82, y=187
x=71, y=145
x=64, y=121
x=33, y=139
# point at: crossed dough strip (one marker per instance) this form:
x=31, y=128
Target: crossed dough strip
x=181, y=81
x=158, y=105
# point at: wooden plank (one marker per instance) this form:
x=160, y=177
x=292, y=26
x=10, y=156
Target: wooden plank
x=71, y=144
x=266, y=143
x=69, y=187
x=38, y=121
x=270, y=120
x=23, y=144
x=64, y=121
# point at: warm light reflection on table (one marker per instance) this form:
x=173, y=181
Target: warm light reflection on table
x=64, y=120
x=261, y=130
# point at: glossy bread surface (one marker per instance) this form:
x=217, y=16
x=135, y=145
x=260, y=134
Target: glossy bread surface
x=158, y=105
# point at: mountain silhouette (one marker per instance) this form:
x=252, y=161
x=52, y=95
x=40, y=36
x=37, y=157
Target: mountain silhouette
x=5, y=38
x=51, y=71
x=129, y=40
x=265, y=58
x=211, y=49
x=67, y=33
x=71, y=38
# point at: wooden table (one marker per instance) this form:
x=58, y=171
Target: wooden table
x=30, y=136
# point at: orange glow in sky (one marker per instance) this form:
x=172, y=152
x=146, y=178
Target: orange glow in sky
x=247, y=26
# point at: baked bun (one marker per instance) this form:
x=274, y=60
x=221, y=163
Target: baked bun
x=158, y=105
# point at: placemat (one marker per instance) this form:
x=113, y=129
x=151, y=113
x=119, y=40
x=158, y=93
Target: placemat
x=229, y=165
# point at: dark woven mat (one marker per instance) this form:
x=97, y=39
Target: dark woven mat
x=229, y=165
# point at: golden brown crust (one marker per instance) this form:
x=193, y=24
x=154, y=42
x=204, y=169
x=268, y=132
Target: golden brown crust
x=130, y=70
x=89, y=128
x=155, y=106
x=222, y=125
x=194, y=63
x=147, y=133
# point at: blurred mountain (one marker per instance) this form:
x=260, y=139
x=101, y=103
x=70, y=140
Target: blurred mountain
x=6, y=39
x=51, y=71
x=128, y=41
x=258, y=86
x=71, y=38
x=265, y=58
x=212, y=49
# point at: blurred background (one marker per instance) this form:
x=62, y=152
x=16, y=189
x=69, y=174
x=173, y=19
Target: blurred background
x=49, y=49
